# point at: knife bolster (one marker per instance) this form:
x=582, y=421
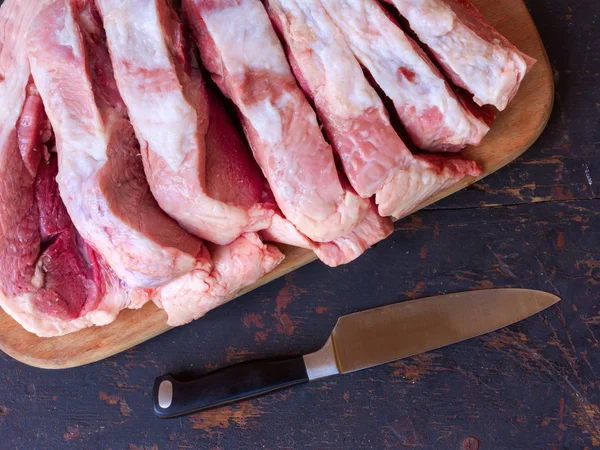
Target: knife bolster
x=322, y=363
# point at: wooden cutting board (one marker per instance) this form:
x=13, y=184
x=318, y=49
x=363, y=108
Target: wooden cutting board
x=513, y=132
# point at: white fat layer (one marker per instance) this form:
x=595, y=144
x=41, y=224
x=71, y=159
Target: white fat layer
x=67, y=36
x=39, y=275
x=135, y=25
x=490, y=70
x=246, y=32
x=337, y=76
x=265, y=117
x=382, y=47
x=82, y=146
x=236, y=266
x=252, y=45
x=84, y=151
x=12, y=93
x=147, y=79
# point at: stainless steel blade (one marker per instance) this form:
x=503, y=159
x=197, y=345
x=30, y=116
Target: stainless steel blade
x=380, y=335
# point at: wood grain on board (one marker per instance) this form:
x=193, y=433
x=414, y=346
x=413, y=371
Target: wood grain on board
x=513, y=132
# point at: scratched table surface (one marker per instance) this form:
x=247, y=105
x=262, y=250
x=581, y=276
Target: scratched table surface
x=534, y=385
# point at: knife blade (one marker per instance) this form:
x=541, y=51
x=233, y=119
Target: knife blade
x=358, y=341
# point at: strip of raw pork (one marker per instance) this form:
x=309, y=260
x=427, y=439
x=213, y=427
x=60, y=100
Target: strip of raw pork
x=470, y=51
x=51, y=281
x=434, y=117
x=374, y=157
x=101, y=177
x=240, y=48
x=207, y=282
x=197, y=165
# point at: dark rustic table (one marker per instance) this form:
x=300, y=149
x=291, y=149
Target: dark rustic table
x=533, y=224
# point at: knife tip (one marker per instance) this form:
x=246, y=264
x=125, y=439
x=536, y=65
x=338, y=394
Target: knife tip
x=549, y=299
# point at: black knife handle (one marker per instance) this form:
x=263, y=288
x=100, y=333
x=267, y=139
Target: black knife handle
x=173, y=398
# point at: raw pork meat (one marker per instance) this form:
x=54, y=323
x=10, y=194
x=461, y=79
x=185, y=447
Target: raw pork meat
x=51, y=282
x=82, y=236
x=199, y=169
x=374, y=157
x=101, y=177
x=241, y=50
x=236, y=266
x=472, y=53
x=434, y=117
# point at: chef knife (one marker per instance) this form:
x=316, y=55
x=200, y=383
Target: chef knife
x=358, y=341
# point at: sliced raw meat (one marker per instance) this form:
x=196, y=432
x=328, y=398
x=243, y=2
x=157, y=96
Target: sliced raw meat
x=470, y=51
x=101, y=177
x=432, y=114
x=237, y=265
x=241, y=50
x=374, y=157
x=199, y=169
x=50, y=281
